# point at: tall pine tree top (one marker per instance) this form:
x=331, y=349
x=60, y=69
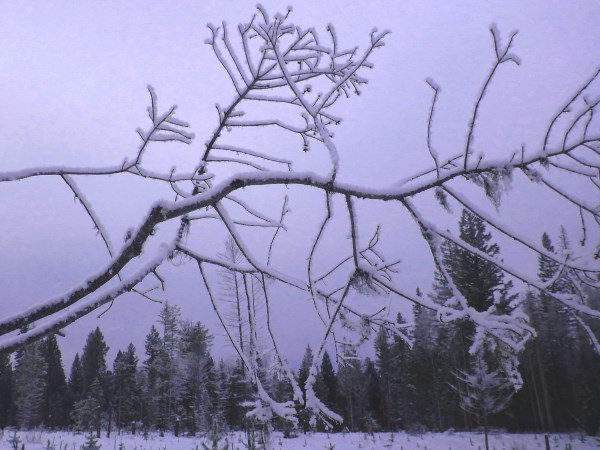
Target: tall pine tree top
x=93, y=359
x=474, y=277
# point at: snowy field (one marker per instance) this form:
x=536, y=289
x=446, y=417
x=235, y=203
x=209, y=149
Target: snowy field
x=35, y=440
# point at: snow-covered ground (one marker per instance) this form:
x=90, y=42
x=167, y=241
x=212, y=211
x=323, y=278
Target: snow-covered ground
x=37, y=440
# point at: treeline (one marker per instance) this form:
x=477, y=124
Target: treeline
x=454, y=377
x=447, y=382
x=177, y=385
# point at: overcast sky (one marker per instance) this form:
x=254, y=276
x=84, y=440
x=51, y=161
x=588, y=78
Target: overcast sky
x=73, y=82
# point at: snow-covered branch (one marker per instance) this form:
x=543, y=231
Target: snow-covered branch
x=274, y=63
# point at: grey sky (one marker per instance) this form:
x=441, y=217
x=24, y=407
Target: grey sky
x=73, y=87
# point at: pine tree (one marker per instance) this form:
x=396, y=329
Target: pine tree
x=215, y=437
x=91, y=443
x=475, y=278
x=488, y=392
x=166, y=366
x=385, y=366
x=87, y=413
x=56, y=400
x=559, y=365
x=393, y=365
x=75, y=383
x=329, y=382
x=429, y=367
x=95, y=395
x=196, y=366
x=590, y=380
x=169, y=318
x=126, y=392
x=303, y=373
x=6, y=390
x=237, y=393
x=30, y=383
x=93, y=359
x=482, y=285
x=154, y=352
x=372, y=419
x=219, y=395
x=351, y=389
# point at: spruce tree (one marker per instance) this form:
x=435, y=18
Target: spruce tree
x=303, y=373
x=126, y=392
x=94, y=381
x=166, y=367
x=75, y=383
x=482, y=284
x=329, y=381
x=6, y=390
x=219, y=395
x=475, y=278
x=488, y=392
x=559, y=365
x=87, y=413
x=197, y=384
x=372, y=418
x=91, y=443
x=237, y=393
x=30, y=384
x=169, y=318
x=429, y=366
x=93, y=359
x=154, y=349
x=352, y=393
x=385, y=366
x=393, y=357
x=55, y=413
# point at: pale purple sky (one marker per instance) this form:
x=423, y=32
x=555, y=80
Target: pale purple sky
x=73, y=89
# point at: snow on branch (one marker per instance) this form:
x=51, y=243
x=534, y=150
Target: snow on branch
x=272, y=62
x=502, y=56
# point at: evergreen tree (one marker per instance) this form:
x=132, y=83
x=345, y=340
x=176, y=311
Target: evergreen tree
x=477, y=280
x=91, y=443
x=590, y=380
x=371, y=420
x=75, y=383
x=303, y=373
x=488, y=392
x=196, y=366
x=237, y=393
x=219, y=395
x=482, y=285
x=154, y=355
x=329, y=382
x=30, y=384
x=429, y=400
x=87, y=413
x=166, y=367
x=93, y=360
x=392, y=360
x=55, y=413
x=352, y=393
x=126, y=392
x=169, y=318
x=560, y=368
x=386, y=368
x=6, y=391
